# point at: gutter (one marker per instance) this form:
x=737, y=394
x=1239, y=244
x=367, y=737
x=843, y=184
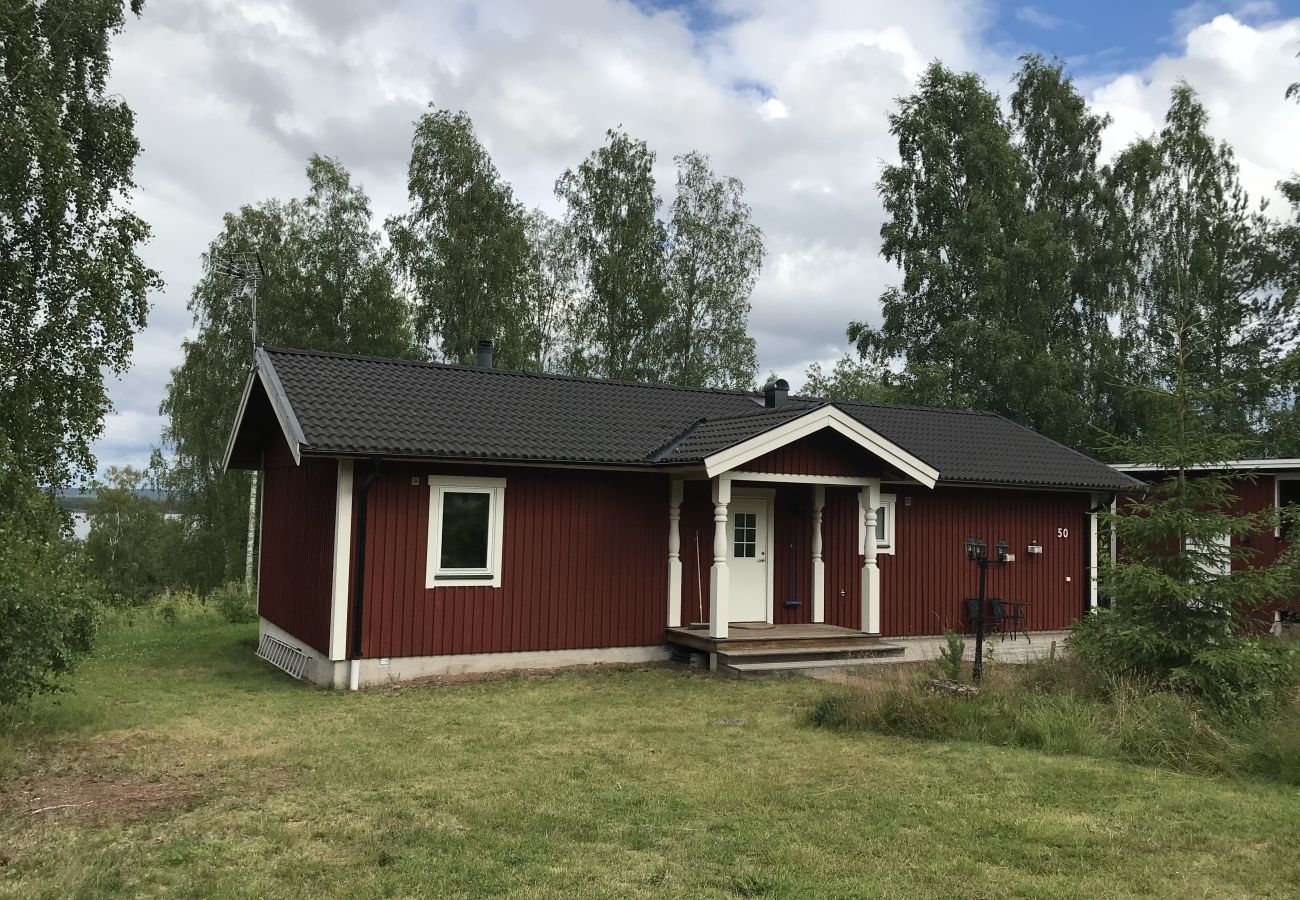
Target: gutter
x=359, y=578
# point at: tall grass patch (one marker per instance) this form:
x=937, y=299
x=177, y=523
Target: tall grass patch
x=1063, y=707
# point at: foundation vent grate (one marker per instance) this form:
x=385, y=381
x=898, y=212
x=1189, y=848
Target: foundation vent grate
x=282, y=656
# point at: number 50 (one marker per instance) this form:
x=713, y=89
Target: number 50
x=1063, y=532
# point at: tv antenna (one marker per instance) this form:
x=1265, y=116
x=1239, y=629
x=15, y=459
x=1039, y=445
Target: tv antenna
x=243, y=268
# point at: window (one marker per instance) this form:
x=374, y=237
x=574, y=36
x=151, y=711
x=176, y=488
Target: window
x=884, y=526
x=746, y=537
x=466, y=516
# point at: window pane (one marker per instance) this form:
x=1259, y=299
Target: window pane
x=880, y=527
x=746, y=535
x=465, y=529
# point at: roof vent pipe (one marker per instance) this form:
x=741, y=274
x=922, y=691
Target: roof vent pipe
x=485, y=354
x=776, y=393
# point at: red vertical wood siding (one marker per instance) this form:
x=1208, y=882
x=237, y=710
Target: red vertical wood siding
x=824, y=452
x=297, y=557
x=923, y=583
x=584, y=564
x=840, y=556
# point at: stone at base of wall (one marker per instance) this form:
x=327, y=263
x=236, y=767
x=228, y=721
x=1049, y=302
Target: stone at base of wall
x=403, y=668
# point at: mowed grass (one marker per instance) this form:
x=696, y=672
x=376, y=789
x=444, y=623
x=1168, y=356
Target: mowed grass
x=186, y=768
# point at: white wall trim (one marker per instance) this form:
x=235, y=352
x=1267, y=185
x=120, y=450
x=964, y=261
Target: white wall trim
x=495, y=488
x=813, y=421
x=342, y=560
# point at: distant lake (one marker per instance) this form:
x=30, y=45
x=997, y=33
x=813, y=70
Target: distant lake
x=81, y=523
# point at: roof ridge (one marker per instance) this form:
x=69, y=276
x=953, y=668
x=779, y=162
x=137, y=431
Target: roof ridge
x=964, y=410
x=520, y=373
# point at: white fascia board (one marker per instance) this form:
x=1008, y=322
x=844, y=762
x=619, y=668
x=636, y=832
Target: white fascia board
x=813, y=421
x=1236, y=465
x=265, y=372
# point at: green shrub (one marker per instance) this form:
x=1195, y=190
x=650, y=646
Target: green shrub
x=951, y=655
x=48, y=606
x=235, y=602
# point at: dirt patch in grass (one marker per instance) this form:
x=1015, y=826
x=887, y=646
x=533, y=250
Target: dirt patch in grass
x=97, y=798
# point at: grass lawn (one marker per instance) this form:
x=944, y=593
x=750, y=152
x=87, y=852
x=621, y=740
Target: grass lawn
x=182, y=767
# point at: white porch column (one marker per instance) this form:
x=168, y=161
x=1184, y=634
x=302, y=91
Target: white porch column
x=719, y=576
x=869, y=498
x=342, y=561
x=818, y=567
x=674, y=553
x=1094, y=543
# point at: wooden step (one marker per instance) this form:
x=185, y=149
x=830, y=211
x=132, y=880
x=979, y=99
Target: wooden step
x=774, y=668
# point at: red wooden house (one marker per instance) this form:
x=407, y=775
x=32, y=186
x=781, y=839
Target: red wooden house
x=421, y=518
x=1263, y=484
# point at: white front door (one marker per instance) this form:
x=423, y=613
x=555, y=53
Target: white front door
x=750, y=582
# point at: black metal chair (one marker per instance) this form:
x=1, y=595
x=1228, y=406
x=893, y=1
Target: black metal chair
x=995, y=614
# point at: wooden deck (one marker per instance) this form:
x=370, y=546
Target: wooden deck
x=762, y=649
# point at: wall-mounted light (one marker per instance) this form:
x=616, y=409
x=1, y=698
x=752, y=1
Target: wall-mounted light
x=1003, y=555
x=1034, y=547
x=976, y=549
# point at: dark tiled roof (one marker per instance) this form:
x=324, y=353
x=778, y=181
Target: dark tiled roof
x=371, y=406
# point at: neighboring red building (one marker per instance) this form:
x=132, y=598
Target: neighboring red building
x=1264, y=484
x=421, y=518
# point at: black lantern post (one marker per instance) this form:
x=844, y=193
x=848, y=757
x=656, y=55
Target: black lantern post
x=977, y=551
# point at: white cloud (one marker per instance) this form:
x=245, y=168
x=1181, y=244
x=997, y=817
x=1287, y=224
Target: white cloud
x=1239, y=72
x=1032, y=15
x=792, y=98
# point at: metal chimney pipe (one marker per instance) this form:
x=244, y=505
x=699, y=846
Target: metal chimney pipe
x=776, y=393
x=484, y=354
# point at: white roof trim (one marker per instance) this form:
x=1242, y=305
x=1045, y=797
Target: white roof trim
x=815, y=420
x=1259, y=465
x=293, y=436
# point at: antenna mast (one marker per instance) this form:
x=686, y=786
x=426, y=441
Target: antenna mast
x=245, y=270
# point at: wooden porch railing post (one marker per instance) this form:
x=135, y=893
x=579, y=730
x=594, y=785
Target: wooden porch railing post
x=719, y=576
x=870, y=500
x=674, y=553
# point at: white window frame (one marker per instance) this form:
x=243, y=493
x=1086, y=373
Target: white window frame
x=435, y=576
x=888, y=502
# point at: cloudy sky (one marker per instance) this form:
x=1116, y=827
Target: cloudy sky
x=231, y=98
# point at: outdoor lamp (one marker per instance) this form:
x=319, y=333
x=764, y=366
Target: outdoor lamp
x=1002, y=549
x=976, y=549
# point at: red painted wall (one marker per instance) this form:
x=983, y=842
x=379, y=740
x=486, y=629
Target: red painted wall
x=923, y=583
x=584, y=565
x=297, y=553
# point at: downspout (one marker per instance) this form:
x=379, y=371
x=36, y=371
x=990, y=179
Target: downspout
x=359, y=578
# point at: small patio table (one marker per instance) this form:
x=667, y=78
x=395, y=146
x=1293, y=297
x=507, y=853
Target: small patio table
x=1018, y=616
